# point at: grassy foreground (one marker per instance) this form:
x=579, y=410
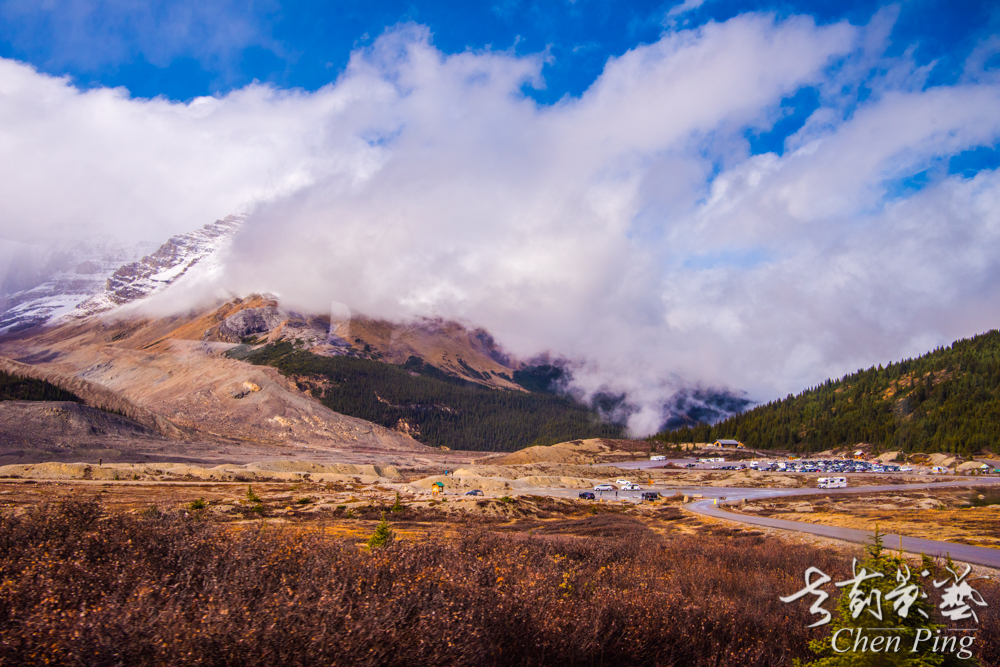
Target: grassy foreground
x=82, y=587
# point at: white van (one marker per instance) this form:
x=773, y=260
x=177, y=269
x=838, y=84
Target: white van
x=832, y=482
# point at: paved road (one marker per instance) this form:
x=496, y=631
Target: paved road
x=961, y=552
x=731, y=493
x=710, y=495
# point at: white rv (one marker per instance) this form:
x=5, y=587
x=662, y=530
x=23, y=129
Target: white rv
x=832, y=482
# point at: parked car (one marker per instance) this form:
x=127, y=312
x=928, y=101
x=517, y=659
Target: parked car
x=604, y=487
x=622, y=481
x=632, y=487
x=587, y=495
x=651, y=495
x=832, y=482
x=691, y=465
x=474, y=492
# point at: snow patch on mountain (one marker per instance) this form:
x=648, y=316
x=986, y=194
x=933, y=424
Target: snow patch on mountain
x=103, y=280
x=41, y=286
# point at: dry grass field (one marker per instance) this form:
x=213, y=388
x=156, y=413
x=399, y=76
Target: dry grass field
x=965, y=515
x=224, y=574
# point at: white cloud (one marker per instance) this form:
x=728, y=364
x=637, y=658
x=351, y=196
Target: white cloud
x=628, y=229
x=671, y=19
x=99, y=161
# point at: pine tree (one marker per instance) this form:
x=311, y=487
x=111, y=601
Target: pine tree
x=383, y=535
x=850, y=622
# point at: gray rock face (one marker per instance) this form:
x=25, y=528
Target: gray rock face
x=172, y=260
x=249, y=322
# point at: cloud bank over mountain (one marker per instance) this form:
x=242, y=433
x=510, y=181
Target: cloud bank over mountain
x=635, y=229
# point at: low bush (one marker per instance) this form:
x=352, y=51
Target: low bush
x=81, y=587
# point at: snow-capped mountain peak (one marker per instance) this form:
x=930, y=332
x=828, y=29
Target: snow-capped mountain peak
x=96, y=285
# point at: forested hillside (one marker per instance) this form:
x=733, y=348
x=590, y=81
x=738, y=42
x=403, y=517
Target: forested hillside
x=947, y=400
x=434, y=408
x=14, y=388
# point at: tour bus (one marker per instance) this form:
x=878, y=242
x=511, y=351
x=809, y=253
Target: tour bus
x=832, y=482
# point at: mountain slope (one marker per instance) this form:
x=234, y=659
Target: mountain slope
x=38, y=431
x=436, y=409
x=96, y=396
x=947, y=400
x=81, y=318
x=15, y=387
x=186, y=385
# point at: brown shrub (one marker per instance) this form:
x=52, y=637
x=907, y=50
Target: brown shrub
x=82, y=588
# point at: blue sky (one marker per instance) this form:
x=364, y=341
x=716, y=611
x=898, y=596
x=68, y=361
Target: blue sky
x=184, y=48
x=748, y=195
x=181, y=49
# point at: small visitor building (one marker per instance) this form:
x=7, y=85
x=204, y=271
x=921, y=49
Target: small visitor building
x=728, y=443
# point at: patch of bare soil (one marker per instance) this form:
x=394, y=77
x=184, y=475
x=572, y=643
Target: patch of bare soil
x=967, y=516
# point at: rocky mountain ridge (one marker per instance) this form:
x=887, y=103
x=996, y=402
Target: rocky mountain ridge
x=102, y=279
x=89, y=289
x=170, y=262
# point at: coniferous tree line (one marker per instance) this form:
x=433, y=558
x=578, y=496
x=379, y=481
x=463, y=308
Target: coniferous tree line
x=14, y=388
x=444, y=411
x=947, y=400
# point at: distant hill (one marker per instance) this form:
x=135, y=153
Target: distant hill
x=432, y=407
x=947, y=400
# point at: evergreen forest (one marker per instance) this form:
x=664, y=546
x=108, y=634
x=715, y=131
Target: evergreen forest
x=436, y=409
x=945, y=401
x=14, y=388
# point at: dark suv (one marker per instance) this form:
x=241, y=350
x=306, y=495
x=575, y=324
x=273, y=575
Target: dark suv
x=587, y=495
x=651, y=495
